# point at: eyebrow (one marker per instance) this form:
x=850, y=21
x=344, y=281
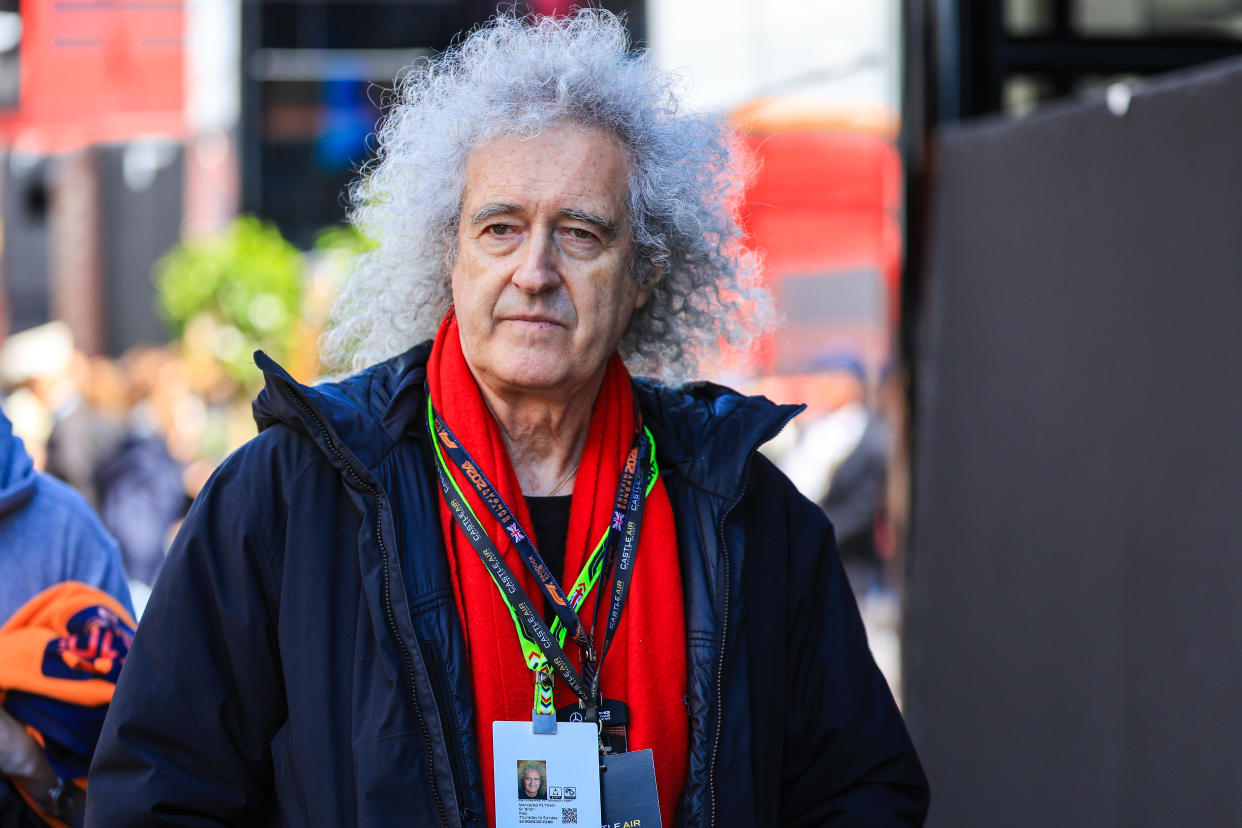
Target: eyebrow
x=499, y=209
x=490, y=210
x=609, y=227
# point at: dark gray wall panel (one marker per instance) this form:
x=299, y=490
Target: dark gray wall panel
x=141, y=221
x=1074, y=642
x=24, y=200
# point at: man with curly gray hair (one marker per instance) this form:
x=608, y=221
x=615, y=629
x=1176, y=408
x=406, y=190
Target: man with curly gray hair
x=683, y=183
x=492, y=542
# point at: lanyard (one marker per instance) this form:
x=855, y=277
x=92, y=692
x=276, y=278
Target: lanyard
x=542, y=648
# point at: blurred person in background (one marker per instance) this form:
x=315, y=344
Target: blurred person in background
x=142, y=488
x=839, y=459
x=42, y=373
x=89, y=426
x=48, y=536
x=325, y=644
x=48, y=533
x=107, y=446
x=173, y=399
x=87, y=423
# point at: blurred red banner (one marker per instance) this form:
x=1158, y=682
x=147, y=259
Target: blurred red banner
x=97, y=71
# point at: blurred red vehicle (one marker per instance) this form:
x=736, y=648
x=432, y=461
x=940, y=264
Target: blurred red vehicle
x=824, y=208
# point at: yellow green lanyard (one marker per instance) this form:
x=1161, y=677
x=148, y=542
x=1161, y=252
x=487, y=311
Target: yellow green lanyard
x=548, y=657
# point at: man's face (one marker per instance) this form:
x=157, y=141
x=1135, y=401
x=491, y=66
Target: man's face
x=541, y=284
x=530, y=781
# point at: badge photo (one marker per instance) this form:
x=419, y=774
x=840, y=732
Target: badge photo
x=545, y=778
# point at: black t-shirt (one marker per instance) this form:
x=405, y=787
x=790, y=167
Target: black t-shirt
x=549, y=517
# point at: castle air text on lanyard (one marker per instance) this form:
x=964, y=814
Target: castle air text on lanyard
x=543, y=772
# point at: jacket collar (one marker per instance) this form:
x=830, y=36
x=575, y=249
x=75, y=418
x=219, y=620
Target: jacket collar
x=368, y=412
x=706, y=433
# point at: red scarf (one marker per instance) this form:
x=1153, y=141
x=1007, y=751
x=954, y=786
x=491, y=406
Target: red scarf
x=652, y=634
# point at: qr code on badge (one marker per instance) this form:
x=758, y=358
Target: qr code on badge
x=569, y=816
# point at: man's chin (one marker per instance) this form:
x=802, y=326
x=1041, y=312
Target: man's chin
x=533, y=372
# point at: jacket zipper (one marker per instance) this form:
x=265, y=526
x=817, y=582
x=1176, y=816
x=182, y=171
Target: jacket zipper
x=388, y=610
x=440, y=684
x=724, y=623
x=720, y=652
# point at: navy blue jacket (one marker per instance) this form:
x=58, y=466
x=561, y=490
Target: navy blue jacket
x=301, y=660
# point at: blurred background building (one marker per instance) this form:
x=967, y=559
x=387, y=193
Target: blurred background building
x=963, y=206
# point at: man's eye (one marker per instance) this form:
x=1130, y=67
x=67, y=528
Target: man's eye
x=499, y=229
x=579, y=233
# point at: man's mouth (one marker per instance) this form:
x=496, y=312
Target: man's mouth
x=534, y=320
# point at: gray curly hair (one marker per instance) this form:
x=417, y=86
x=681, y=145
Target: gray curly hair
x=520, y=76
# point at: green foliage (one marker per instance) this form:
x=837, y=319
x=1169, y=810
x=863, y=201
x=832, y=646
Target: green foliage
x=342, y=237
x=247, y=282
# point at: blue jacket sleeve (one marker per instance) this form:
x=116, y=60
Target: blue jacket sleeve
x=187, y=738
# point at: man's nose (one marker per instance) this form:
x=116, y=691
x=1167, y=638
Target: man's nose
x=536, y=269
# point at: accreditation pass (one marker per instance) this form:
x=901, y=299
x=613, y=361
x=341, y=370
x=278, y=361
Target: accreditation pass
x=546, y=778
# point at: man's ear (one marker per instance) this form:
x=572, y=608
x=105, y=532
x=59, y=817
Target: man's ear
x=647, y=286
